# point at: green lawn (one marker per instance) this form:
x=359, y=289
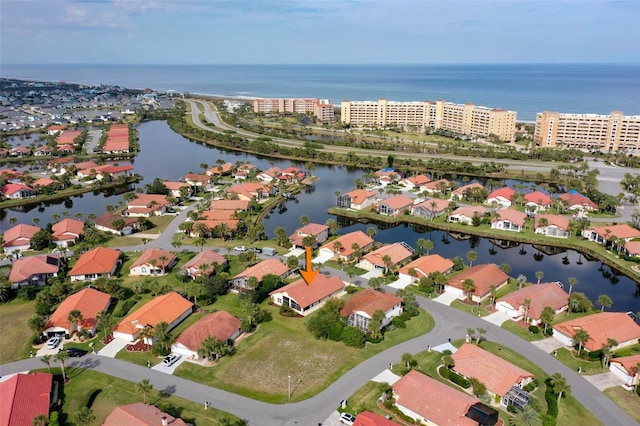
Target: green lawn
x=629, y=402
x=522, y=331
x=568, y=358
x=112, y=391
x=16, y=335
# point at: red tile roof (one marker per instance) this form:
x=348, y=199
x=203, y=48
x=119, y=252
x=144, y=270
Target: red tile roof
x=427, y=397
x=306, y=295
x=436, y=184
x=218, y=214
x=396, y=251
x=633, y=247
x=221, y=325
x=510, y=215
x=541, y=295
x=88, y=301
x=19, y=235
x=418, y=180
x=12, y=188
x=24, y=397
x=576, y=199
x=460, y=191
x=140, y=414
x=347, y=241
x=559, y=221
x=434, y=205
x=235, y=205
x=269, y=266
x=397, y=202
x=208, y=256
x=168, y=307
x=504, y=192
x=154, y=254
x=425, y=265
x=312, y=229
x=367, y=418
x=24, y=268
x=67, y=229
x=106, y=219
x=602, y=326
x=220, y=169
x=358, y=196
x=100, y=260
x=146, y=200
x=369, y=301
x=620, y=230
x=538, y=198
x=483, y=276
x=44, y=182
x=469, y=211
x=629, y=363
x=497, y=374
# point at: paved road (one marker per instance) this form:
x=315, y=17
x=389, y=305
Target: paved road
x=450, y=323
x=94, y=139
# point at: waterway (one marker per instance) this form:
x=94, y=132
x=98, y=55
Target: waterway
x=167, y=155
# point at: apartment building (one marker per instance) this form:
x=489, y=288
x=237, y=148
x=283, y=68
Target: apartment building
x=321, y=108
x=466, y=119
x=613, y=132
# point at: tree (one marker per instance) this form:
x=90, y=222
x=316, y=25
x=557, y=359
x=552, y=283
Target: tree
x=469, y=287
x=41, y=239
x=478, y=387
x=144, y=387
x=36, y=323
x=47, y=360
x=471, y=257
x=386, y=259
x=526, y=417
x=371, y=231
x=606, y=351
x=375, y=324
x=333, y=226
x=522, y=279
x=40, y=420
x=105, y=322
x=505, y=267
x=493, y=293
x=212, y=348
x=481, y=331
x=162, y=339
x=546, y=316
x=61, y=357
x=580, y=337
x=304, y=220
x=408, y=360
x=604, y=301
x=559, y=385
x=74, y=318
x=526, y=304
x=539, y=276
x=85, y=416
x=572, y=281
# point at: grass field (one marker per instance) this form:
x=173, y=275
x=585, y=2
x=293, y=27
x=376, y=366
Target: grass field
x=16, y=334
x=629, y=402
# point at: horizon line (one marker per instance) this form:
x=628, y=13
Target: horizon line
x=321, y=64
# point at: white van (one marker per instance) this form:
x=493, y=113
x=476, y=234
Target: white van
x=269, y=251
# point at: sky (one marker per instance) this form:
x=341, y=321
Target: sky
x=318, y=32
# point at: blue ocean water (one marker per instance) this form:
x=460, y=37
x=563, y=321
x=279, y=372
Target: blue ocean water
x=527, y=89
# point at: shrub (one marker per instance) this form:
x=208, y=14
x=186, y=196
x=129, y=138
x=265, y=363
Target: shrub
x=444, y=372
x=552, y=402
x=54, y=419
x=353, y=336
x=458, y=379
x=405, y=316
x=125, y=307
x=375, y=340
x=286, y=311
x=533, y=329
x=548, y=420
x=512, y=409
x=335, y=333
x=398, y=322
x=350, y=289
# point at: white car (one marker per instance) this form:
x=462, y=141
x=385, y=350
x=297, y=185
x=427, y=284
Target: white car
x=53, y=342
x=347, y=419
x=169, y=360
x=240, y=248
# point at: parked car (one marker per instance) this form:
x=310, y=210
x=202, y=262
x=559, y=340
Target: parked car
x=171, y=359
x=269, y=251
x=53, y=342
x=240, y=248
x=256, y=249
x=75, y=352
x=347, y=419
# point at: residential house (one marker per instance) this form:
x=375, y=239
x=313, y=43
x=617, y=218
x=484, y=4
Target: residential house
x=115, y=224
x=20, y=151
x=66, y=149
x=19, y=237
x=34, y=270
x=153, y=261
x=199, y=181
x=600, y=327
x=244, y=171
x=414, y=182
x=68, y=137
x=626, y=368
x=439, y=186
x=397, y=254
x=343, y=246
x=483, y=277
x=234, y=205
x=430, y=208
x=509, y=220
x=17, y=191
x=498, y=375
x=632, y=248
x=54, y=130
x=203, y=263
x=67, y=231
x=466, y=191
x=552, y=225
x=220, y=170
x=221, y=325
x=361, y=307
x=43, y=151
x=114, y=172
x=117, y=139
x=428, y=401
x=269, y=175
x=319, y=232
x=539, y=296
x=60, y=165
x=212, y=225
x=250, y=191
x=578, y=202
x=292, y=174
x=170, y=308
x=147, y=205
x=602, y=234
x=367, y=418
x=96, y=263
x=26, y=396
x=140, y=414
x=175, y=189
x=10, y=176
x=423, y=266
x=267, y=267
x=395, y=206
x=466, y=214
x=43, y=182
x=387, y=176
x=89, y=301
x=502, y=197
x=537, y=201
x=305, y=299
x=358, y=199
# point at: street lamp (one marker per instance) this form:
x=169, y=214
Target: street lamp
x=289, y=376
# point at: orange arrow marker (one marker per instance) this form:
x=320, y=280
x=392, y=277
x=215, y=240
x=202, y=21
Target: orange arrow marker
x=309, y=274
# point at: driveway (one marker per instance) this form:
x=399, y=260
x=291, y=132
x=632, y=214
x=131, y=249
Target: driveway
x=169, y=370
x=113, y=347
x=548, y=345
x=498, y=318
x=445, y=298
x=322, y=257
x=401, y=282
x=604, y=381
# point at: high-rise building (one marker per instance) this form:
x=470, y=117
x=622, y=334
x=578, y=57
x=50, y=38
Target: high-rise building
x=613, y=132
x=466, y=119
x=321, y=108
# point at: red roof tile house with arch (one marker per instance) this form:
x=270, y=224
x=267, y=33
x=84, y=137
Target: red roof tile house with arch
x=483, y=276
x=96, y=263
x=19, y=237
x=579, y=202
x=153, y=261
x=196, y=266
x=266, y=267
x=509, y=220
x=537, y=201
x=305, y=299
x=358, y=199
x=465, y=214
x=540, y=295
x=170, y=308
x=425, y=265
x=601, y=234
x=502, y=197
x=320, y=232
x=25, y=397
x=221, y=325
x=360, y=308
x=556, y=225
x=17, y=191
x=89, y=301
x=397, y=252
x=600, y=327
x=494, y=372
x=346, y=242
x=67, y=232
x=430, y=208
x=34, y=270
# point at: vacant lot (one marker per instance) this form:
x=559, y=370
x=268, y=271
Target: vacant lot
x=16, y=334
x=629, y=402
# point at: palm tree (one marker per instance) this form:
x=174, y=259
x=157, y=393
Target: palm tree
x=40, y=420
x=580, y=338
x=375, y=324
x=493, y=292
x=211, y=348
x=61, y=357
x=47, y=360
x=469, y=287
x=304, y=220
x=604, y=301
x=471, y=257
x=559, y=385
x=333, y=226
x=471, y=332
x=85, y=416
x=408, y=360
x=481, y=331
x=526, y=417
x=521, y=280
x=74, y=318
x=546, y=316
x=539, y=276
x=337, y=247
x=105, y=321
x=572, y=281
x=163, y=263
x=387, y=263
x=527, y=305
x=371, y=231
x=505, y=267
x=144, y=387
x=428, y=246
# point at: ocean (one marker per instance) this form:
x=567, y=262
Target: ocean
x=527, y=89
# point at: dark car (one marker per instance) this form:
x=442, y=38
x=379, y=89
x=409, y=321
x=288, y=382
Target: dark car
x=75, y=352
x=256, y=249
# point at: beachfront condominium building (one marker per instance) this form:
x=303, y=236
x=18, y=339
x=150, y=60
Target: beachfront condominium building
x=613, y=132
x=465, y=119
x=321, y=108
